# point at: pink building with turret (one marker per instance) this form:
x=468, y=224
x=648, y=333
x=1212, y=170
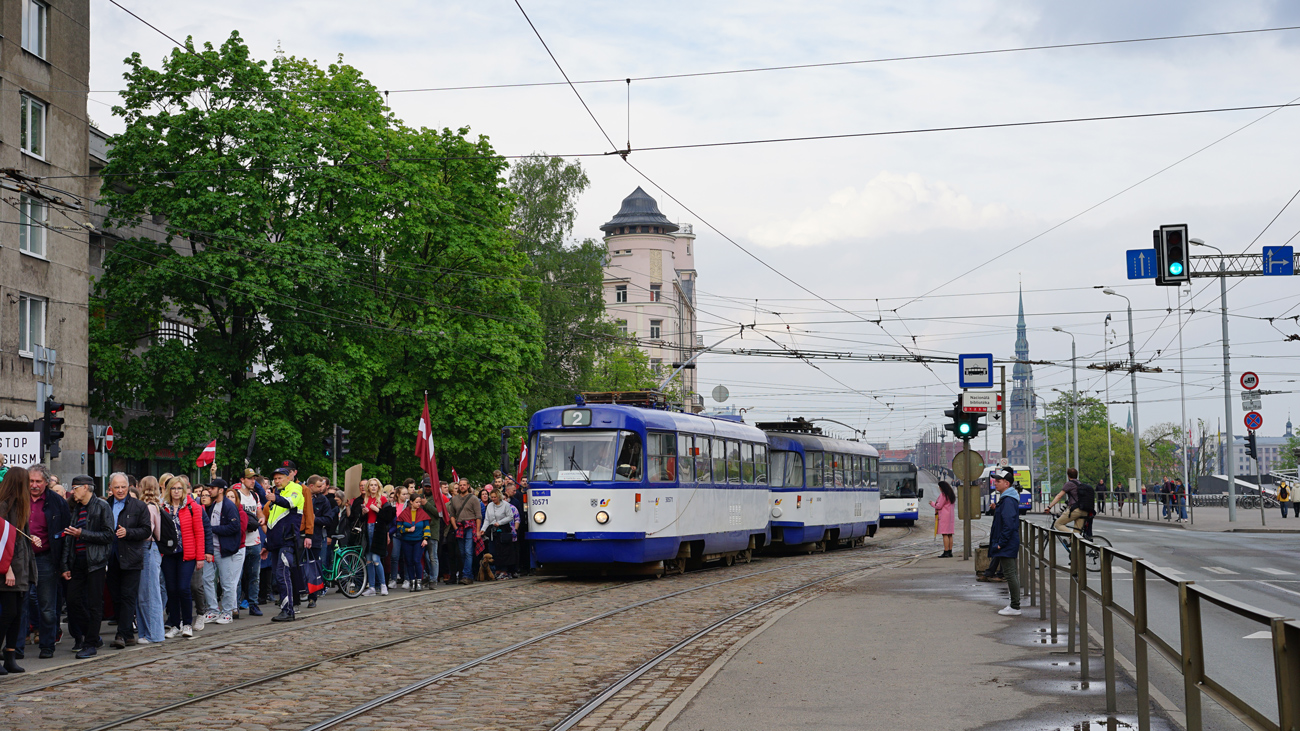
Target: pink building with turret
x=650, y=286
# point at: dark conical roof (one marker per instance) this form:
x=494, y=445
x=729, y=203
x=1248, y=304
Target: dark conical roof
x=639, y=208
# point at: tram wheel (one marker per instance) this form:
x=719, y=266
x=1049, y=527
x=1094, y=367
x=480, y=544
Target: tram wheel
x=745, y=556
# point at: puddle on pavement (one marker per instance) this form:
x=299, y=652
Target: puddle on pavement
x=1096, y=723
x=1075, y=686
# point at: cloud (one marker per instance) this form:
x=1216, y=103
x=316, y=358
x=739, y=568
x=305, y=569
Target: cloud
x=889, y=203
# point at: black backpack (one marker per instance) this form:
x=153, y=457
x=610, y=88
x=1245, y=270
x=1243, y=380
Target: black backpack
x=170, y=532
x=1087, y=497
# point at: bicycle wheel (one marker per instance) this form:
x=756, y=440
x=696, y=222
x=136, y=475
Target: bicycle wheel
x=1092, y=556
x=352, y=575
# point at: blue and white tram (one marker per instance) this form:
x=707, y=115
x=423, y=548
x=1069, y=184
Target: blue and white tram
x=900, y=498
x=640, y=487
x=824, y=491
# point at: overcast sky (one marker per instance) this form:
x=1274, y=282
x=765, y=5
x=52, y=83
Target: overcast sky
x=870, y=223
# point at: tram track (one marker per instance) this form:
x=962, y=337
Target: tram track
x=891, y=544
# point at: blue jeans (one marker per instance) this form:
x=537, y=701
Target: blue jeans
x=149, y=604
x=209, y=585
x=375, y=566
x=229, y=570
x=412, y=553
x=466, y=546
x=178, y=575
x=1182, y=507
x=249, y=587
x=42, y=603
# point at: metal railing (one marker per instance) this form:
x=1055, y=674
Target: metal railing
x=1040, y=565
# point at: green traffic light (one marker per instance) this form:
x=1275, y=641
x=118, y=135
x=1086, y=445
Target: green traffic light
x=964, y=428
x=1176, y=268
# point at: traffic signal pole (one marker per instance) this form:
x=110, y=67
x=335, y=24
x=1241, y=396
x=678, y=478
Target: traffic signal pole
x=334, y=454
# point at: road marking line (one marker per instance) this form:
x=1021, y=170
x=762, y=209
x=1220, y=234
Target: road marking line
x=1279, y=588
x=1118, y=570
x=1124, y=530
x=1167, y=569
x=1275, y=572
x=1260, y=635
x=1219, y=570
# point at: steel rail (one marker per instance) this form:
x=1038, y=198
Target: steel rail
x=374, y=703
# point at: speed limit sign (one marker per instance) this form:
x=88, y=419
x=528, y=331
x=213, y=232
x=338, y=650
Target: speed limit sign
x=1249, y=381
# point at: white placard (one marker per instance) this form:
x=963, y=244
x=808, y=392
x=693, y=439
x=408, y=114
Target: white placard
x=20, y=448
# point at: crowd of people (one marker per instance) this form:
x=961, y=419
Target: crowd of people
x=160, y=558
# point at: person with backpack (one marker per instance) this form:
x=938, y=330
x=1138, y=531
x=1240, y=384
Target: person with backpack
x=1080, y=499
x=181, y=542
x=1284, y=497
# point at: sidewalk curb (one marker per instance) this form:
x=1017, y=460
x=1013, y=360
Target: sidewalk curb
x=1140, y=521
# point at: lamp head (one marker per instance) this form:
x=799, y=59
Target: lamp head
x=1057, y=329
x=1108, y=290
x=1196, y=242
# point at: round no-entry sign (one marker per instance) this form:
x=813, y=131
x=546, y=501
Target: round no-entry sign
x=1254, y=420
x=108, y=439
x=1249, y=381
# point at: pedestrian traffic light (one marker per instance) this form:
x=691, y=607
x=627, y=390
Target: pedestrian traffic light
x=342, y=441
x=1252, y=448
x=53, y=427
x=328, y=443
x=1173, y=265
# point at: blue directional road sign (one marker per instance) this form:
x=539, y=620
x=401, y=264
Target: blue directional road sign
x=1141, y=263
x=975, y=370
x=1279, y=261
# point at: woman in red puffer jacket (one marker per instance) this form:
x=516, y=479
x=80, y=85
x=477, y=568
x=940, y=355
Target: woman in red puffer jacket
x=183, y=518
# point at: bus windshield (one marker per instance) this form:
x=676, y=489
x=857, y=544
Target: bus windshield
x=586, y=455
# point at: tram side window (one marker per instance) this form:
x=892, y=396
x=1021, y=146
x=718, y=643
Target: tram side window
x=874, y=464
x=778, y=467
x=860, y=478
x=760, y=464
x=814, y=469
x=839, y=470
x=686, y=463
x=733, y=462
x=663, y=457
x=747, y=462
x=794, y=470
x=628, y=466
x=719, y=461
x=703, y=473
x=854, y=470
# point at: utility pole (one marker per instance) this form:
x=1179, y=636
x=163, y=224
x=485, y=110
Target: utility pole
x=1231, y=451
x=334, y=455
x=1002, y=412
x=1182, y=401
x=1110, y=451
x=1133, y=387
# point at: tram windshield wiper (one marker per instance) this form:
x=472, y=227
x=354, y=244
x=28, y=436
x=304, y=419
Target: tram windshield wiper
x=574, y=464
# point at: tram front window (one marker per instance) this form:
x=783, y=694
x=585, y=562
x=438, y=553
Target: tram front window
x=897, y=485
x=585, y=455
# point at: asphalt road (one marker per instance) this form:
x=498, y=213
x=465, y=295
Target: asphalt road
x=1260, y=570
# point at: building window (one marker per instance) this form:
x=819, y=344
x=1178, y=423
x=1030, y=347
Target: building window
x=31, y=325
x=173, y=330
x=620, y=293
x=32, y=218
x=657, y=364
x=656, y=292
x=656, y=327
x=32, y=126
x=35, y=14
x=622, y=326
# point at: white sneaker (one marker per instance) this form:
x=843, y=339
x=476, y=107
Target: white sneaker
x=383, y=591
x=406, y=585
x=142, y=641
x=224, y=618
x=370, y=591
x=187, y=631
x=198, y=623
x=172, y=632
x=210, y=615
x=390, y=584
x=1010, y=612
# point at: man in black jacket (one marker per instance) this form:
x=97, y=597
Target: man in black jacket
x=49, y=518
x=324, y=516
x=126, y=560
x=86, y=545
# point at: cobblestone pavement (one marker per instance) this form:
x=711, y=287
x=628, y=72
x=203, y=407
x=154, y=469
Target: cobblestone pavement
x=532, y=687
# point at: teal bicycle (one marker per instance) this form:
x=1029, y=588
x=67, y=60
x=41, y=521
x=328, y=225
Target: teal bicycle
x=347, y=569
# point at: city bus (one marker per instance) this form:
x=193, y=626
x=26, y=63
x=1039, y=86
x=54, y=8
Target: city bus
x=1024, y=485
x=900, y=497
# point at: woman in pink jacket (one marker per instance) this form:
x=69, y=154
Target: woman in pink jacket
x=945, y=516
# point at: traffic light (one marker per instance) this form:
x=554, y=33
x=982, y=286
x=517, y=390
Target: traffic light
x=955, y=415
x=973, y=425
x=1173, y=265
x=53, y=427
x=1252, y=449
x=964, y=425
x=341, y=439
x=328, y=444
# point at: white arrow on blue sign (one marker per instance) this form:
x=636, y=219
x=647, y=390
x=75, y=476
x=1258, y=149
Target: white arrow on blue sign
x=1141, y=263
x=1279, y=261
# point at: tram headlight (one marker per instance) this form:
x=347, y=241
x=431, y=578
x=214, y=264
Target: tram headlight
x=539, y=517
x=602, y=517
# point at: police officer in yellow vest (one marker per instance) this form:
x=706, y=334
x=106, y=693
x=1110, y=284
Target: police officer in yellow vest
x=283, y=520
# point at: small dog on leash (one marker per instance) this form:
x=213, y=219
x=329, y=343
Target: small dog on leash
x=485, y=568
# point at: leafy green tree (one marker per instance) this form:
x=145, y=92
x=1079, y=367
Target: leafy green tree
x=623, y=367
x=1093, y=457
x=333, y=263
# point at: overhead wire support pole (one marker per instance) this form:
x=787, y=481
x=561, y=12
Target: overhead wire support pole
x=1231, y=451
x=1133, y=387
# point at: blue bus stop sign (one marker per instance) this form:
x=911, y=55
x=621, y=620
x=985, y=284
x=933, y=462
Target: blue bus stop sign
x=1279, y=261
x=1141, y=263
x=975, y=370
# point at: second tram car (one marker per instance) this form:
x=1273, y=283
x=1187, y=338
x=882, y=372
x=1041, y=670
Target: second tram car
x=824, y=491
x=643, y=488
x=900, y=497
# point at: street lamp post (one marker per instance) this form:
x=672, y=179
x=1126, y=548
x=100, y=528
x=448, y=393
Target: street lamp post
x=1110, y=451
x=1133, y=388
x=1227, y=388
x=1074, y=395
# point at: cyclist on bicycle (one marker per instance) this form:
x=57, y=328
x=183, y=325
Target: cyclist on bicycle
x=1080, y=500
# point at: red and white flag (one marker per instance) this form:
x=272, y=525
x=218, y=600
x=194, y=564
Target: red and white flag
x=523, y=459
x=428, y=459
x=455, y=478
x=8, y=537
x=208, y=455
